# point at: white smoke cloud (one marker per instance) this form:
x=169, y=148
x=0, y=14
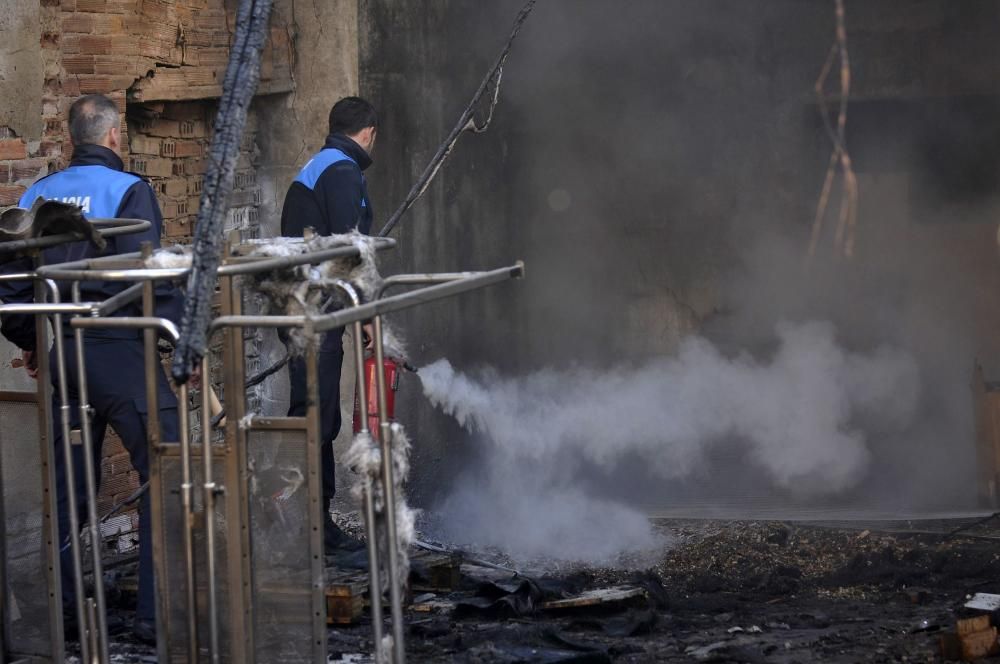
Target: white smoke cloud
x=803, y=415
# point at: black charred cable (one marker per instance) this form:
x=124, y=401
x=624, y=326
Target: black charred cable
x=238, y=87
x=466, y=122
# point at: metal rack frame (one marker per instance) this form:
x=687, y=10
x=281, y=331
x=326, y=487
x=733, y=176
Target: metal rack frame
x=233, y=453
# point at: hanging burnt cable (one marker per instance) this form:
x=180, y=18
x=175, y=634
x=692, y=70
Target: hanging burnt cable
x=844, y=235
x=238, y=87
x=476, y=118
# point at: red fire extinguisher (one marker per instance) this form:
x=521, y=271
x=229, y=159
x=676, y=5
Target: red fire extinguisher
x=391, y=368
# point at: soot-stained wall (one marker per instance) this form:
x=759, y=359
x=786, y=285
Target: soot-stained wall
x=657, y=164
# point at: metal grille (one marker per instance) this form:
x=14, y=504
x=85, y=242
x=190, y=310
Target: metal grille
x=279, y=530
x=28, y=596
x=173, y=586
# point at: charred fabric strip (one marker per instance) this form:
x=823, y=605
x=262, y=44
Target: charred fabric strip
x=238, y=87
x=468, y=121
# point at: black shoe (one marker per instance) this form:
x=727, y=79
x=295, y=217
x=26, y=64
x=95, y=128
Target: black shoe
x=336, y=541
x=144, y=631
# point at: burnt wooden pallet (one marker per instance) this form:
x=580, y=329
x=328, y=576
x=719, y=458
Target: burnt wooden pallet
x=346, y=598
x=432, y=571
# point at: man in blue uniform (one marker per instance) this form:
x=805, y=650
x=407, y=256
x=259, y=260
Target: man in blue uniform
x=95, y=180
x=330, y=196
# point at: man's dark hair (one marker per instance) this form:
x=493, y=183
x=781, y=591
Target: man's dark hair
x=352, y=114
x=90, y=118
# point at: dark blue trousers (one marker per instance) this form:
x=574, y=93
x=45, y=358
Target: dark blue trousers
x=330, y=360
x=116, y=390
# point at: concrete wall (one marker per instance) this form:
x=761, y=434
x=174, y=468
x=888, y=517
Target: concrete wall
x=21, y=68
x=641, y=154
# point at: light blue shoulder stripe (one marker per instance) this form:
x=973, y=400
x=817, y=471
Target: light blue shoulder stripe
x=312, y=171
x=99, y=190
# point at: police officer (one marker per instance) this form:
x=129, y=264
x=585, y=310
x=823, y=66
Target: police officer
x=96, y=181
x=330, y=196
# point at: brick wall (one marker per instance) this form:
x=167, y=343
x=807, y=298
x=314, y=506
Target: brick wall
x=163, y=62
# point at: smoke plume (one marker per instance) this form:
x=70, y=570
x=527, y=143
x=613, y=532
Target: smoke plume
x=803, y=415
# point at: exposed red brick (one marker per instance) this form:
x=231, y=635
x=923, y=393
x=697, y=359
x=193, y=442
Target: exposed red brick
x=177, y=228
x=140, y=144
x=13, y=148
x=50, y=149
x=91, y=6
x=10, y=194
x=27, y=169
x=83, y=23
x=95, y=44
x=78, y=64
x=154, y=48
x=95, y=85
x=70, y=44
x=68, y=5
x=4, y=173
x=188, y=149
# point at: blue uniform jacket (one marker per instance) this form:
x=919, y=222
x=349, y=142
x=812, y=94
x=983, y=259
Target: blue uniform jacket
x=95, y=180
x=329, y=194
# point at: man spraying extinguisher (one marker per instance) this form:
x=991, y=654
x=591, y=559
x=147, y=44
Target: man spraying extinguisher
x=330, y=196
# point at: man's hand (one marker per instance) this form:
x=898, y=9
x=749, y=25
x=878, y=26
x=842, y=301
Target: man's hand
x=30, y=363
x=368, y=332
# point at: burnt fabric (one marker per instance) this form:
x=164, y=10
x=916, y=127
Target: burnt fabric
x=48, y=218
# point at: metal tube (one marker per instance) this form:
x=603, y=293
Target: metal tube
x=375, y=583
x=89, y=269
x=70, y=476
x=420, y=280
x=108, y=228
x=162, y=325
x=45, y=308
x=187, y=507
x=375, y=592
x=389, y=496
x=91, y=488
x=116, y=302
x=208, y=500
x=375, y=308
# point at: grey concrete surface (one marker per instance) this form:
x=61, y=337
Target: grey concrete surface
x=21, y=68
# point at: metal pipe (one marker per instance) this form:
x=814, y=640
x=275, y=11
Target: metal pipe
x=208, y=500
x=187, y=507
x=164, y=326
x=420, y=280
x=89, y=269
x=375, y=582
x=254, y=321
x=254, y=264
x=91, y=488
x=389, y=496
x=344, y=317
x=116, y=302
x=70, y=477
x=46, y=308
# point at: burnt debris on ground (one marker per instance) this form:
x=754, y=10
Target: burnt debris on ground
x=721, y=592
